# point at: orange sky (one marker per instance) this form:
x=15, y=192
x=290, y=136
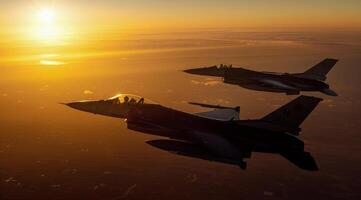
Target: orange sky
x=161, y=14
x=26, y=26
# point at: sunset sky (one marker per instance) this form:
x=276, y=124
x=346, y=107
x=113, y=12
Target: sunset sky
x=162, y=14
x=25, y=25
x=59, y=51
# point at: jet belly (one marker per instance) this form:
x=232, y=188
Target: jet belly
x=264, y=85
x=259, y=81
x=278, y=84
x=152, y=129
x=172, y=123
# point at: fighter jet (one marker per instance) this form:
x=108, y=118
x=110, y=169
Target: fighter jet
x=216, y=135
x=291, y=84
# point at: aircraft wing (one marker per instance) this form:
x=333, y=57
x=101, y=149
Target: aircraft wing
x=192, y=150
x=207, y=146
x=222, y=146
x=220, y=113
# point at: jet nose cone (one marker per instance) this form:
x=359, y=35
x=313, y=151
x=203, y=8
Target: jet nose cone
x=72, y=105
x=189, y=71
x=197, y=71
x=75, y=105
x=83, y=106
x=206, y=71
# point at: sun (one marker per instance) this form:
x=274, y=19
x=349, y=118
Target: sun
x=47, y=28
x=46, y=15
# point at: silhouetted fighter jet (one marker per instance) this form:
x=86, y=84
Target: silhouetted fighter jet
x=217, y=135
x=291, y=84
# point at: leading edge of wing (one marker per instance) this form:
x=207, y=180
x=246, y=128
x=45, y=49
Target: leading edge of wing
x=221, y=113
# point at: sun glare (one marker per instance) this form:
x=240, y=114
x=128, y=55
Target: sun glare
x=47, y=29
x=46, y=16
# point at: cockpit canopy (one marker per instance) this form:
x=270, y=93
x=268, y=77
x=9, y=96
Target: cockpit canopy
x=130, y=99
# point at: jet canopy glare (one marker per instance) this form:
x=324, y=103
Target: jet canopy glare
x=224, y=66
x=130, y=98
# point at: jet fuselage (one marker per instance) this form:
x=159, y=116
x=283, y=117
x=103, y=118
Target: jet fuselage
x=159, y=120
x=271, y=82
x=180, y=125
x=291, y=84
x=227, y=141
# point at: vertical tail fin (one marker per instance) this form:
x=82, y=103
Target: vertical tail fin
x=320, y=70
x=291, y=115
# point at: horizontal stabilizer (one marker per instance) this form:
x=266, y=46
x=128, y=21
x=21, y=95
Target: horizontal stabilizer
x=303, y=160
x=329, y=92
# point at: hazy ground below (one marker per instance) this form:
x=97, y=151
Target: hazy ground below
x=49, y=151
